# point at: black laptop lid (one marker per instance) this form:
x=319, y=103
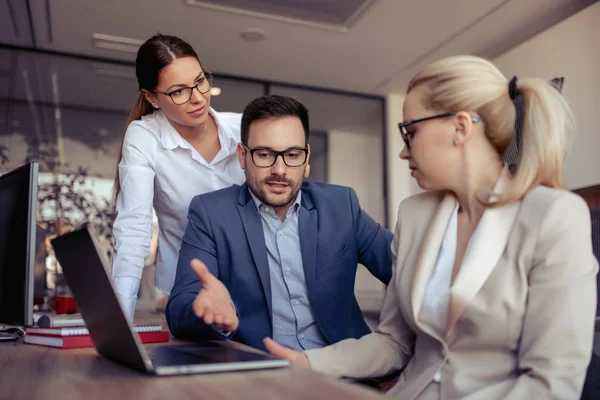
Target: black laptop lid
x=86, y=274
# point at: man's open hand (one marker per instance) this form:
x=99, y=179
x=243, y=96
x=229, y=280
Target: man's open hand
x=213, y=303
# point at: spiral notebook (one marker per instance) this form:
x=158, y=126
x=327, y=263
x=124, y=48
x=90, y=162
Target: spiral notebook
x=81, y=330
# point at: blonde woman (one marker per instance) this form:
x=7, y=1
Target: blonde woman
x=494, y=289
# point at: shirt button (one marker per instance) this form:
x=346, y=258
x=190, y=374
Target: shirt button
x=279, y=233
x=288, y=269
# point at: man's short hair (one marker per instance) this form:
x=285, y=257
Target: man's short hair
x=273, y=107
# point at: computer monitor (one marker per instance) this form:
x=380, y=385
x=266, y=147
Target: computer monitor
x=18, y=213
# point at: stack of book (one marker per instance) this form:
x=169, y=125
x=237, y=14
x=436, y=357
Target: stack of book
x=77, y=337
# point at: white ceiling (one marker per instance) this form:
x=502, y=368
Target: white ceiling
x=377, y=54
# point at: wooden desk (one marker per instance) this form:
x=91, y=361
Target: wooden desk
x=38, y=372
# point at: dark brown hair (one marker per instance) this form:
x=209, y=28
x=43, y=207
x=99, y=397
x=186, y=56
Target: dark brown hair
x=273, y=106
x=152, y=56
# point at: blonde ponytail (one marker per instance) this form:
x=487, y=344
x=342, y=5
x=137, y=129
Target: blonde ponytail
x=142, y=107
x=548, y=127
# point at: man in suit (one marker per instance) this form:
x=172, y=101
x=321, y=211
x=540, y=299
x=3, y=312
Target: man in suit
x=277, y=256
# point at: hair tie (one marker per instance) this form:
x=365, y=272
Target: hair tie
x=512, y=88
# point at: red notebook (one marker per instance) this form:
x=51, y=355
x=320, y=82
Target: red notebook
x=72, y=338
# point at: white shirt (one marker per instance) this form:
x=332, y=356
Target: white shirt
x=434, y=311
x=161, y=170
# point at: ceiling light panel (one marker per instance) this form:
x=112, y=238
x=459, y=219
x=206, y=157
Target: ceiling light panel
x=327, y=14
x=119, y=43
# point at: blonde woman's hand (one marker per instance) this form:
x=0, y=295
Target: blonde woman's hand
x=295, y=357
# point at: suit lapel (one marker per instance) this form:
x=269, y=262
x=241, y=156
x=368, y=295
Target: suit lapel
x=483, y=253
x=307, y=229
x=428, y=253
x=256, y=240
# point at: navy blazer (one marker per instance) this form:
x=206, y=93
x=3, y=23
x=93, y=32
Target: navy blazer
x=225, y=231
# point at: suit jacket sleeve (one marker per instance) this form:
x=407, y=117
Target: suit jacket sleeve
x=373, y=242
x=198, y=242
x=384, y=351
x=558, y=329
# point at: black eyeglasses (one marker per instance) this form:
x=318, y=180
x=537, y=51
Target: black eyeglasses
x=183, y=95
x=265, y=158
x=407, y=136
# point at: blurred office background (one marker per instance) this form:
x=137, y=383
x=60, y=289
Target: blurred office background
x=67, y=83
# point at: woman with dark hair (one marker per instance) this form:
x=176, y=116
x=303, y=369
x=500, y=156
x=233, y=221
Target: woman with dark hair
x=175, y=147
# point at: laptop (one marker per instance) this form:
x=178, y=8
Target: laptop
x=85, y=270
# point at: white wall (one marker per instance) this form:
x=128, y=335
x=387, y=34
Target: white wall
x=569, y=49
x=355, y=160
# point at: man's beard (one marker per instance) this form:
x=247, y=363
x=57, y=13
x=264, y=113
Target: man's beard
x=263, y=195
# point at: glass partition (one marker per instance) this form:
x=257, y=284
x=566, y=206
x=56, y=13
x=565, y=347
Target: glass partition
x=69, y=113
